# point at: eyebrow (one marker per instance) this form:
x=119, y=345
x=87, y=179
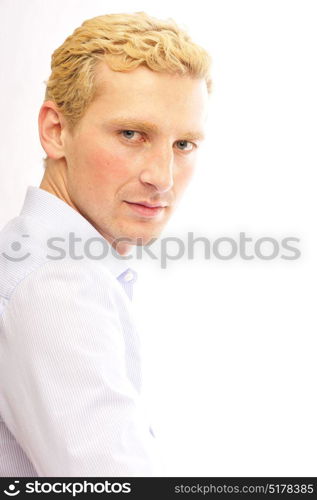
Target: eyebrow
x=148, y=127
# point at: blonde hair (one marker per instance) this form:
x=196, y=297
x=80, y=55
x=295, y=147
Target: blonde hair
x=124, y=42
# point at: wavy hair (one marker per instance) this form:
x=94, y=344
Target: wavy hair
x=124, y=41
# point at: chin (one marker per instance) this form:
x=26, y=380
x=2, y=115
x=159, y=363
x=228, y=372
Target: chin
x=143, y=239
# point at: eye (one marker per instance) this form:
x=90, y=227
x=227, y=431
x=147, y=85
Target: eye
x=130, y=134
x=186, y=145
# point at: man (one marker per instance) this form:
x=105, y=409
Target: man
x=123, y=117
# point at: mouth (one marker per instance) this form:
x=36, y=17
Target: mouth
x=145, y=210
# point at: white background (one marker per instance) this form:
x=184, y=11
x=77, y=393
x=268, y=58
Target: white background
x=230, y=346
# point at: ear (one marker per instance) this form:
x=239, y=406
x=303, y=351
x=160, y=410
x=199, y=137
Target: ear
x=51, y=125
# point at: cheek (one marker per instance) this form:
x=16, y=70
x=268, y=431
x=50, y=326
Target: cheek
x=183, y=177
x=103, y=165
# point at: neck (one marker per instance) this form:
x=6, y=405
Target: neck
x=55, y=182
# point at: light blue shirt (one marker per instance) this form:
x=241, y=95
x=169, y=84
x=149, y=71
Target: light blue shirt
x=70, y=375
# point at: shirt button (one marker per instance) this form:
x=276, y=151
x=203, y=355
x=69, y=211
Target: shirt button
x=128, y=277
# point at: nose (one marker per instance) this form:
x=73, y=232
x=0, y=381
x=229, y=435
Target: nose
x=158, y=171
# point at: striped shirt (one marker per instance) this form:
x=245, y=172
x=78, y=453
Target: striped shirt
x=70, y=376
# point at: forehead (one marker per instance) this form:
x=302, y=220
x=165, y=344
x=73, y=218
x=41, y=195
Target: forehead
x=146, y=94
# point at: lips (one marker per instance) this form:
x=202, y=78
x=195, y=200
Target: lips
x=145, y=210
x=146, y=204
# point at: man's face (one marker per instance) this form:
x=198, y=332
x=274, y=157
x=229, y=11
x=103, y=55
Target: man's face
x=137, y=142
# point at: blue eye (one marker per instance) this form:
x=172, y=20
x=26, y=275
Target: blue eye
x=128, y=134
x=184, y=145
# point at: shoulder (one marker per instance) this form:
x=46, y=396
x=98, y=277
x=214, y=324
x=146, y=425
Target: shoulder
x=22, y=251
x=26, y=265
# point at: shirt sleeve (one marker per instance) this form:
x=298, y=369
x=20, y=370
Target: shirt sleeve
x=68, y=400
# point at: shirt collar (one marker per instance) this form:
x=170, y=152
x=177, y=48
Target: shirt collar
x=61, y=217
